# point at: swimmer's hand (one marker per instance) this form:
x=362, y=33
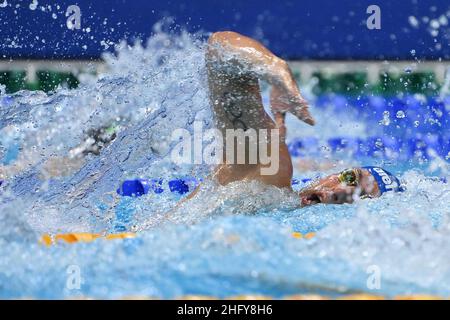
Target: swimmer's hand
x=282, y=101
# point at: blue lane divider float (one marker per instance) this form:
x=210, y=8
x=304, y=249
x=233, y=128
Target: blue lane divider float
x=139, y=187
x=389, y=147
x=130, y=189
x=416, y=112
x=134, y=188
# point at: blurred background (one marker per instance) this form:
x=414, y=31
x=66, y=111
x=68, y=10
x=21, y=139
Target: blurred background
x=42, y=37
x=46, y=43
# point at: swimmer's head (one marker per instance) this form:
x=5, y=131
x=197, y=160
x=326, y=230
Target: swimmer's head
x=346, y=186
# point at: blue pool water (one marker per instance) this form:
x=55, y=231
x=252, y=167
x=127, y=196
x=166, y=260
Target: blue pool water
x=228, y=240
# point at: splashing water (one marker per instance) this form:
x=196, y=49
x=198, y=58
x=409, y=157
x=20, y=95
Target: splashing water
x=147, y=92
x=228, y=240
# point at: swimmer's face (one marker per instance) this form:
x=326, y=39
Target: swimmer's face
x=343, y=187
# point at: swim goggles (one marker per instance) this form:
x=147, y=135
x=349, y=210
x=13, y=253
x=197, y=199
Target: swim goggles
x=350, y=177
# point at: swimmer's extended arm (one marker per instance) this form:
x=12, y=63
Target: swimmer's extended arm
x=253, y=57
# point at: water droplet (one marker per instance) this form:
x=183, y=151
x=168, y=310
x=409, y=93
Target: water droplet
x=413, y=21
x=385, y=121
x=33, y=5
x=379, y=143
x=434, y=24
x=434, y=33
x=443, y=21
x=400, y=114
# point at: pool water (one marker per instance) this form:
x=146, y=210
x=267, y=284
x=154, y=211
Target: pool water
x=228, y=240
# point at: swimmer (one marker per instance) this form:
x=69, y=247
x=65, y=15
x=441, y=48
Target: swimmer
x=235, y=64
x=59, y=166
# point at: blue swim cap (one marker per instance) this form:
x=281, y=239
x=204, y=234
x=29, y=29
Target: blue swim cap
x=386, y=180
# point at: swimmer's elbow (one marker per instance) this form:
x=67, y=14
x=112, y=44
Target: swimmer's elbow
x=223, y=36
